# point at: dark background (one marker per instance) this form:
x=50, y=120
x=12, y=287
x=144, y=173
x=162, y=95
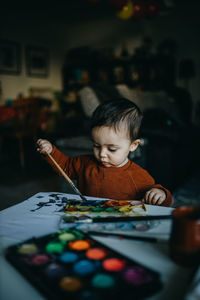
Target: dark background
x=86, y=34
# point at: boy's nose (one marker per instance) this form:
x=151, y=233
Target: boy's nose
x=102, y=152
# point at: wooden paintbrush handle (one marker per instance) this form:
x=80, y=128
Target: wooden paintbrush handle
x=60, y=169
x=66, y=177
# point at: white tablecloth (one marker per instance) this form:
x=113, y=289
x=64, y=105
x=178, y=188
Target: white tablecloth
x=27, y=219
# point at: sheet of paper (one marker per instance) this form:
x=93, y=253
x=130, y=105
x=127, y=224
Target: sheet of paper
x=41, y=214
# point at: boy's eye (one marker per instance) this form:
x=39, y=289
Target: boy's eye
x=112, y=149
x=96, y=146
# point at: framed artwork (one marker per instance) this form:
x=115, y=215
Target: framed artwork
x=37, y=61
x=10, y=58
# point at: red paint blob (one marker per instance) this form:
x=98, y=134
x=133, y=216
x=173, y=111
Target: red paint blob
x=113, y=264
x=95, y=253
x=40, y=259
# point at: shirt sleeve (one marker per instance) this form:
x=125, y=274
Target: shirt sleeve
x=65, y=162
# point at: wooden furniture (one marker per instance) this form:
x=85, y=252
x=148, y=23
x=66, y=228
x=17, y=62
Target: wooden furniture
x=25, y=123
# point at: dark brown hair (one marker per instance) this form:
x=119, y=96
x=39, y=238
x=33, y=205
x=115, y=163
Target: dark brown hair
x=113, y=113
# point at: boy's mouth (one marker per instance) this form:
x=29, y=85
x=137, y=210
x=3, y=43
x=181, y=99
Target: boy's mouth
x=104, y=163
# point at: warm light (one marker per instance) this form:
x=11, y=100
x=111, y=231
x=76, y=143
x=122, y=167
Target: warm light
x=125, y=8
x=137, y=8
x=126, y=12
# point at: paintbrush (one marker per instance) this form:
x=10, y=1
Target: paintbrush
x=129, y=219
x=122, y=236
x=143, y=205
x=66, y=177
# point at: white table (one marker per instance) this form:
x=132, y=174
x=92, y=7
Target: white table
x=19, y=222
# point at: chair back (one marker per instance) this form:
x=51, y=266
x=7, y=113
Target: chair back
x=27, y=117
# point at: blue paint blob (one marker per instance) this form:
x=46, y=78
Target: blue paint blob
x=84, y=267
x=68, y=257
x=85, y=203
x=125, y=226
x=97, y=203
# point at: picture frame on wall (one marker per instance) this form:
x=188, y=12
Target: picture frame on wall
x=37, y=61
x=10, y=57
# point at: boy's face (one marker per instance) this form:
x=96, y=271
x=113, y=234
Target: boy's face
x=111, y=147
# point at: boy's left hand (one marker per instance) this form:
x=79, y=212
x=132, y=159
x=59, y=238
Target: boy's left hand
x=155, y=196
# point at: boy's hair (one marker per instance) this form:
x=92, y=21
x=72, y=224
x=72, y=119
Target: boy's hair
x=113, y=113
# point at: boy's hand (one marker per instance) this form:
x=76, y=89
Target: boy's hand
x=155, y=196
x=44, y=146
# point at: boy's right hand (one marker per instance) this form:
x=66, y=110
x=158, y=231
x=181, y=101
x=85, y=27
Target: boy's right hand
x=44, y=146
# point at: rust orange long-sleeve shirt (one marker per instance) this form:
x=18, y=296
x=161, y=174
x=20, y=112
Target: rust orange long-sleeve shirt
x=129, y=182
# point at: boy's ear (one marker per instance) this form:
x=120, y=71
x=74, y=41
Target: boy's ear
x=134, y=145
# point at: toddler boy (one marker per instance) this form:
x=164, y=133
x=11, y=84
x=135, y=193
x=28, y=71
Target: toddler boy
x=108, y=173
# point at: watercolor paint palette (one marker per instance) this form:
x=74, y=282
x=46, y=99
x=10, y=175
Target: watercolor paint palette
x=69, y=264
x=103, y=208
x=121, y=227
